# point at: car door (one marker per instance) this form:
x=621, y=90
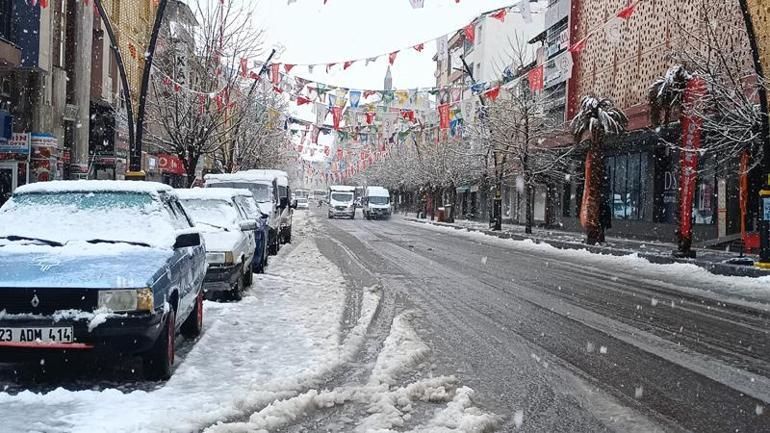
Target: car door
x=248, y=243
x=181, y=268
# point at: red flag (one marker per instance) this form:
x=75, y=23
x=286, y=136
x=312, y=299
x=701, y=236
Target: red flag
x=244, y=67
x=253, y=75
x=536, y=79
x=443, y=113
x=275, y=73
x=579, y=45
x=369, y=117
x=347, y=64
x=277, y=90
x=392, y=57
x=336, y=116
x=368, y=93
x=177, y=87
x=287, y=67
x=626, y=12
x=493, y=93
x=499, y=15
x=301, y=100
x=470, y=32
x=419, y=47
x=408, y=115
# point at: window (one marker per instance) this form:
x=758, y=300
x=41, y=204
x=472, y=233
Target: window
x=704, y=203
x=626, y=179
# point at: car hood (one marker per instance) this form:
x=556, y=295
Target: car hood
x=81, y=266
x=220, y=240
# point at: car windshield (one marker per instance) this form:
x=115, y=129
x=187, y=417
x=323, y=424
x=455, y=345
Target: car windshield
x=249, y=206
x=342, y=196
x=66, y=217
x=379, y=200
x=213, y=213
x=261, y=192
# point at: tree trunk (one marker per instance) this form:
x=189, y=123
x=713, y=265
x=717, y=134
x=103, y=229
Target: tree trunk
x=592, y=197
x=530, y=191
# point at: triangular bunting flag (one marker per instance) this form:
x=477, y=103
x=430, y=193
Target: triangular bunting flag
x=626, y=12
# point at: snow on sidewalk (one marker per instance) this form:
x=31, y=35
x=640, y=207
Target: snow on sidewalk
x=388, y=406
x=271, y=345
x=683, y=277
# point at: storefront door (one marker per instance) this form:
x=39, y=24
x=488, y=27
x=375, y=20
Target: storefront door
x=9, y=179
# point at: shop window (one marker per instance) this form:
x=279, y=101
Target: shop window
x=626, y=182
x=704, y=203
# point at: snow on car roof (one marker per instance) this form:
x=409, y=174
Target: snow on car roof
x=243, y=176
x=342, y=188
x=377, y=191
x=281, y=176
x=56, y=186
x=211, y=193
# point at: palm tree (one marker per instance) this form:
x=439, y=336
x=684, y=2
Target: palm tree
x=666, y=95
x=599, y=118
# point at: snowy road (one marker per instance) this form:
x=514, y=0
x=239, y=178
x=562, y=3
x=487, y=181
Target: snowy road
x=569, y=342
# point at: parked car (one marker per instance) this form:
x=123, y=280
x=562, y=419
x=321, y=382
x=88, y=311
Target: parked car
x=342, y=201
x=246, y=201
x=269, y=195
x=376, y=202
x=302, y=203
x=229, y=236
x=94, y=266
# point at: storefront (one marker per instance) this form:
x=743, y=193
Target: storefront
x=14, y=163
x=642, y=189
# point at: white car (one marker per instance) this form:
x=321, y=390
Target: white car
x=229, y=234
x=302, y=203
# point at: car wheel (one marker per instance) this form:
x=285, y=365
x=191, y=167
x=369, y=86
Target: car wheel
x=248, y=277
x=273, y=245
x=194, y=324
x=237, y=291
x=159, y=361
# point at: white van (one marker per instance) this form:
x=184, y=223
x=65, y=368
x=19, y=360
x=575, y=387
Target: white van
x=376, y=202
x=342, y=201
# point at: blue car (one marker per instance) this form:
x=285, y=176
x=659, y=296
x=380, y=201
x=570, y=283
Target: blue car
x=93, y=266
x=249, y=205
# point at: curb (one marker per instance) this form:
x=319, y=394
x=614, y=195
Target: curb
x=715, y=268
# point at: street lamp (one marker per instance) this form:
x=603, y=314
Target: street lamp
x=755, y=15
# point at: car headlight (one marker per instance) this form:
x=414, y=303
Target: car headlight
x=218, y=258
x=126, y=300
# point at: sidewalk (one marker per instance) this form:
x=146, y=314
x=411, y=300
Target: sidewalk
x=715, y=261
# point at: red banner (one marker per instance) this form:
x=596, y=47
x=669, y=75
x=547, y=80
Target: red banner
x=691, y=140
x=536, y=79
x=443, y=113
x=170, y=164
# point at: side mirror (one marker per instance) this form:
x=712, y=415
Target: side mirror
x=248, y=226
x=186, y=240
x=283, y=202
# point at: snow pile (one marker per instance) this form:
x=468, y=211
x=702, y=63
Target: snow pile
x=388, y=406
x=275, y=343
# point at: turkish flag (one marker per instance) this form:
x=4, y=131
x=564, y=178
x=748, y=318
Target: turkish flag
x=470, y=32
x=499, y=15
x=493, y=93
x=443, y=113
x=626, y=12
x=536, y=80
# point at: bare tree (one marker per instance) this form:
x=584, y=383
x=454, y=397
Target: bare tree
x=196, y=103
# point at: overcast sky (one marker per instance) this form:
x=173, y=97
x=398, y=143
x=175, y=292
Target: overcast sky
x=345, y=29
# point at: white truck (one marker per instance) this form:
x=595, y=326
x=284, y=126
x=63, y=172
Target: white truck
x=376, y=202
x=342, y=201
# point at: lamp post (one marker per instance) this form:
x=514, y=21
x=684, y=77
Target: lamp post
x=755, y=15
x=496, y=221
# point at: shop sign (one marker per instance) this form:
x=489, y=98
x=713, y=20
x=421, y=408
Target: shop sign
x=170, y=164
x=766, y=208
x=44, y=140
x=18, y=144
x=558, y=69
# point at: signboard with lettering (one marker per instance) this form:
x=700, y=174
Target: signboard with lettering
x=18, y=144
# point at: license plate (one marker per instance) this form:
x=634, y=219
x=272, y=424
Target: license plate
x=62, y=334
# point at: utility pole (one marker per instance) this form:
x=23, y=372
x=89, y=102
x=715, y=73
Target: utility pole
x=496, y=219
